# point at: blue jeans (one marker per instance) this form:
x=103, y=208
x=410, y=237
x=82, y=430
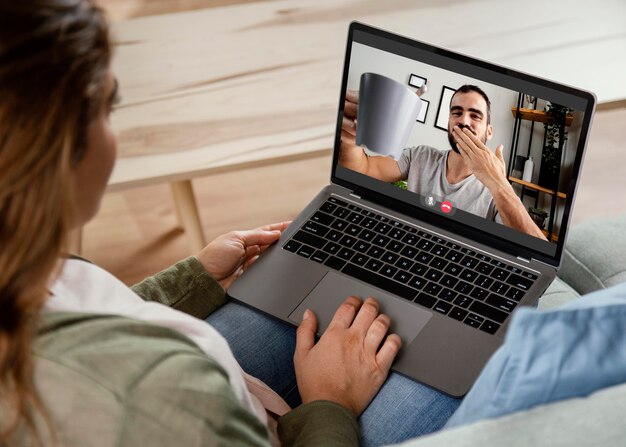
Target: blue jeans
x=264, y=348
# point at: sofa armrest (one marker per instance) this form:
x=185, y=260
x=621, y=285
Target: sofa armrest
x=591, y=421
x=595, y=255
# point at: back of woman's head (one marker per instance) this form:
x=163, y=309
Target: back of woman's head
x=54, y=57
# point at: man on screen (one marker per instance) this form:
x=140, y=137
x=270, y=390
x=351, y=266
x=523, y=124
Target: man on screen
x=470, y=175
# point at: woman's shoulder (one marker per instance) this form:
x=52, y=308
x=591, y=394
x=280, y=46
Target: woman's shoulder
x=105, y=377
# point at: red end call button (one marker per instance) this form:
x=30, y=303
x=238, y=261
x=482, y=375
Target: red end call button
x=446, y=207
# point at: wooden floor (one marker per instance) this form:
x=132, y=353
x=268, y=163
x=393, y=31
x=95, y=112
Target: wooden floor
x=136, y=232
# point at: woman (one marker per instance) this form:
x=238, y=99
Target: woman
x=75, y=369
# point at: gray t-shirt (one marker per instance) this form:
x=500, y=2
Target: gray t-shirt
x=424, y=169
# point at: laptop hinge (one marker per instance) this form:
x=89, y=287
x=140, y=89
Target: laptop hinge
x=527, y=261
x=355, y=196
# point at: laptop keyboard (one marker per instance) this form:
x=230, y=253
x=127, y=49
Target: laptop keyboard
x=424, y=268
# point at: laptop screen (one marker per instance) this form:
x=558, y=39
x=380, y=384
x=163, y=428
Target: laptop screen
x=465, y=144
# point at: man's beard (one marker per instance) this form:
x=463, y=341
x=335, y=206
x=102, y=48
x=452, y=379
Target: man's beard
x=452, y=141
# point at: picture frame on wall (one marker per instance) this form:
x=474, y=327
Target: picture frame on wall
x=443, y=111
x=421, y=118
x=416, y=81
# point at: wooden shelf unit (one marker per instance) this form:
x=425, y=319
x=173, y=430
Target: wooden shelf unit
x=555, y=194
x=529, y=185
x=537, y=115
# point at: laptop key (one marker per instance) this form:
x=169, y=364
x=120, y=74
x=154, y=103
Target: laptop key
x=353, y=230
x=529, y=275
x=439, y=250
x=395, y=246
x=471, y=322
x=469, y=262
x=305, y=251
x=499, y=274
x=362, y=247
x=404, y=263
x=442, y=307
x=336, y=201
x=310, y=239
x=418, y=269
x=315, y=228
x=489, y=312
x=453, y=269
x=479, y=294
x=489, y=327
x=463, y=301
x=417, y=283
x=328, y=207
x=454, y=256
x=424, y=244
x=388, y=270
x=397, y=234
x=499, y=288
x=409, y=252
x=292, y=246
x=519, y=282
x=382, y=228
x=334, y=235
x=341, y=213
x=468, y=275
x=367, y=235
x=438, y=263
x=335, y=263
x=322, y=218
x=501, y=303
x=376, y=252
x=484, y=268
x=355, y=218
x=484, y=282
x=449, y=281
x=347, y=241
x=448, y=295
x=390, y=258
x=463, y=287
x=515, y=294
x=424, y=258
x=319, y=256
x=360, y=259
x=410, y=238
x=433, y=275
x=425, y=300
x=432, y=288
x=457, y=313
x=345, y=253
x=331, y=248
x=339, y=224
x=380, y=240
x=369, y=223
x=374, y=265
x=380, y=281
x=403, y=277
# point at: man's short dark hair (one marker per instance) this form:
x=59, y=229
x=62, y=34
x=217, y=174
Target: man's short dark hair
x=467, y=88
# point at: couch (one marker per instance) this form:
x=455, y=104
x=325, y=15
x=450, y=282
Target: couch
x=594, y=258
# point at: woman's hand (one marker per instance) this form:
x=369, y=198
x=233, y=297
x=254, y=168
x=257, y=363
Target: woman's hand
x=230, y=254
x=350, y=362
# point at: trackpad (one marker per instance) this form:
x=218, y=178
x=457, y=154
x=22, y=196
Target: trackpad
x=407, y=320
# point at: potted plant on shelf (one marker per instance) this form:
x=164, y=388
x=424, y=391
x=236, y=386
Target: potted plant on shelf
x=538, y=216
x=554, y=142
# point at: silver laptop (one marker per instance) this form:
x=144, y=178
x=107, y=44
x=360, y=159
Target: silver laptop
x=445, y=262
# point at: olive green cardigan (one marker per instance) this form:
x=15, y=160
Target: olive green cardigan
x=107, y=380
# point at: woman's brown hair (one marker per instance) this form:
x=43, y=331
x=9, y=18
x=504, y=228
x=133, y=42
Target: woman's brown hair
x=54, y=57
